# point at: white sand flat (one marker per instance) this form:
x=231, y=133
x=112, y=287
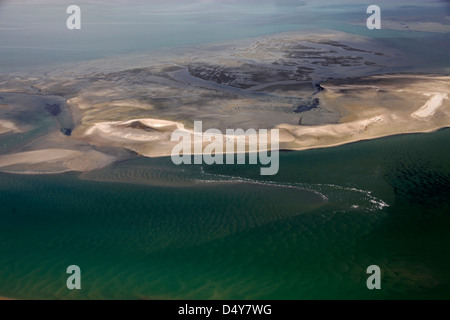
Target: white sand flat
x=431, y=106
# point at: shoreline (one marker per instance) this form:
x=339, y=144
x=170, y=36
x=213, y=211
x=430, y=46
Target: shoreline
x=369, y=139
x=281, y=150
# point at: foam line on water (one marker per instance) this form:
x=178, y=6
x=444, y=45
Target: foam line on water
x=325, y=191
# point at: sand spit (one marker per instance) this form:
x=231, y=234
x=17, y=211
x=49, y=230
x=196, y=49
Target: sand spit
x=53, y=161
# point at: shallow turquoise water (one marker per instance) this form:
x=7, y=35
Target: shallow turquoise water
x=224, y=232
x=35, y=36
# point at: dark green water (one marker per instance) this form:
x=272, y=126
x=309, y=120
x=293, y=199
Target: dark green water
x=225, y=232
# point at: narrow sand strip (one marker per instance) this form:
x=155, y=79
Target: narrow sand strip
x=31, y=157
x=430, y=107
x=61, y=160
